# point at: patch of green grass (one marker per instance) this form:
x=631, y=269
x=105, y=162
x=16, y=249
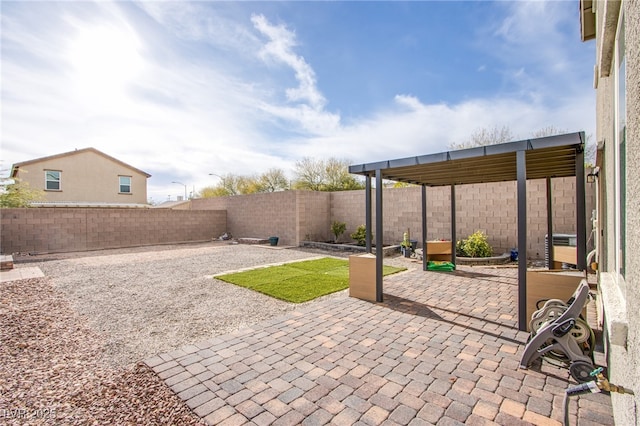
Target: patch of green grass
x=299, y=282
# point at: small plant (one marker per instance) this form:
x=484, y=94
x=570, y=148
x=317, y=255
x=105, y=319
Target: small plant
x=360, y=235
x=338, y=228
x=476, y=245
x=405, y=245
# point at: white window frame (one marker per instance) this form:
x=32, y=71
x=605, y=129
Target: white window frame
x=619, y=124
x=120, y=184
x=47, y=180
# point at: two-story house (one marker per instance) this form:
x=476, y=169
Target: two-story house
x=84, y=177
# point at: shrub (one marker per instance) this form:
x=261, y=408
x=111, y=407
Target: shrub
x=476, y=245
x=338, y=228
x=360, y=235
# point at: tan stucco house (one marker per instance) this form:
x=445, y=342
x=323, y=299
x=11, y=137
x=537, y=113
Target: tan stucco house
x=84, y=177
x=615, y=26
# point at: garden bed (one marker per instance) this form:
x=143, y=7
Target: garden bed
x=387, y=250
x=475, y=261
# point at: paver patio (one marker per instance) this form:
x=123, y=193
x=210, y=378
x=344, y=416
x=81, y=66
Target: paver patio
x=443, y=348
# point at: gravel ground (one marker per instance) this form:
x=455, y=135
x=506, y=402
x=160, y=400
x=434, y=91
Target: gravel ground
x=72, y=342
x=147, y=302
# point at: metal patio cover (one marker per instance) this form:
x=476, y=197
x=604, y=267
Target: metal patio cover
x=539, y=158
x=552, y=156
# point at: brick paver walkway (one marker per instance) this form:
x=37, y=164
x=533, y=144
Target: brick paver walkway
x=442, y=349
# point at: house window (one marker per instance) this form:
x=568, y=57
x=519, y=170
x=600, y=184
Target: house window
x=125, y=184
x=52, y=180
x=620, y=150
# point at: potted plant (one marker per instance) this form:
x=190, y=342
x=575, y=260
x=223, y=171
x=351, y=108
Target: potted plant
x=407, y=245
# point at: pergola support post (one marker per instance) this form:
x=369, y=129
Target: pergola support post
x=581, y=219
x=549, y=224
x=368, y=220
x=379, y=239
x=521, y=170
x=453, y=224
x=424, y=227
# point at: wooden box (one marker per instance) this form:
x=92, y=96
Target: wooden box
x=564, y=254
x=439, y=250
x=362, y=276
x=551, y=284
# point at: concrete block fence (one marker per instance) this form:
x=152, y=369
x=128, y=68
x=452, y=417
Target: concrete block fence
x=55, y=230
x=296, y=216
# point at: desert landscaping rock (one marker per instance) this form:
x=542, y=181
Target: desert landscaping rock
x=53, y=370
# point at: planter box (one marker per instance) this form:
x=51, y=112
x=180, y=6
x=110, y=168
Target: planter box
x=439, y=250
x=551, y=284
x=362, y=277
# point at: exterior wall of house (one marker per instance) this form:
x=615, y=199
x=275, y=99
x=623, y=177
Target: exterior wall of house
x=620, y=290
x=86, y=176
x=48, y=230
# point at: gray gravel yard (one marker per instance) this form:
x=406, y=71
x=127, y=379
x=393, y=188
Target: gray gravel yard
x=148, y=301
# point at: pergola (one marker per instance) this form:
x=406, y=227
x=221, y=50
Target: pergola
x=540, y=158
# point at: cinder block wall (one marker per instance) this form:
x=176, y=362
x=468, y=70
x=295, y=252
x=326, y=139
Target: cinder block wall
x=314, y=216
x=491, y=208
x=77, y=229
x=295, y=216
x=258, y=215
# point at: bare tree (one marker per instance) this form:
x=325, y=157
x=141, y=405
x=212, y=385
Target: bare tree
x=273, y=180
x=548, y=131
x=483, y=136
x=325, y=175
x=337, y=176
x=590, y=148
x=309, y=174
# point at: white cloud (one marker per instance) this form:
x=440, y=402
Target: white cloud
x=183, y=115
x=310, y=111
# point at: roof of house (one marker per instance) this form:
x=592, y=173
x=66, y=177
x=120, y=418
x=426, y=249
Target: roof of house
x=16, y=166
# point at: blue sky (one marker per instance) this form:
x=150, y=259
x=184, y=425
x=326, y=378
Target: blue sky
x=185, y=89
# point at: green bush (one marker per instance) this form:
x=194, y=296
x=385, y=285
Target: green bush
x=476, y=245
x=338, y=228
x=360, y=235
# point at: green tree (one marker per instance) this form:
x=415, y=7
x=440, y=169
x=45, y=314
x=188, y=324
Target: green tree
x=18, y=194
x=212, y=191
x=337, y=229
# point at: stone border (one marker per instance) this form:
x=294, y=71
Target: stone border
x=387, y=251
x=474, y=261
